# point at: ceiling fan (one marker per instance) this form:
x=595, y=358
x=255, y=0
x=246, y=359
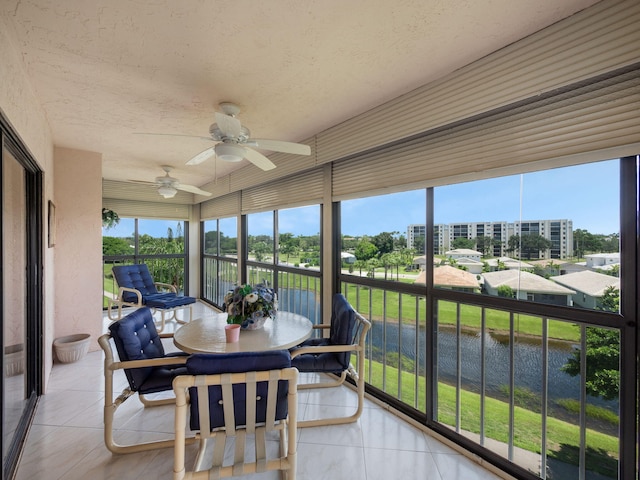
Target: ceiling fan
x=234, y=142
x=169, y=186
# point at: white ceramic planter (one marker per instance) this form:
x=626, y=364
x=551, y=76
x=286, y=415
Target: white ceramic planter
x=72, y=347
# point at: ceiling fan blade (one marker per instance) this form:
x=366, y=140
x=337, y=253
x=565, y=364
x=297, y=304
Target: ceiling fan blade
x=192, y=189
x=229, y=125
x=202, y=156
x=258, y=159
x=280, y=146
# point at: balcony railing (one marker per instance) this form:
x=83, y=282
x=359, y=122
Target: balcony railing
x=298, y=290
x=218, y=277
x=514, y=383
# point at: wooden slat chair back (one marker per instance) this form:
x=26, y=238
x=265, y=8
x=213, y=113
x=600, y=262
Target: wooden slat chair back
x=237, y=395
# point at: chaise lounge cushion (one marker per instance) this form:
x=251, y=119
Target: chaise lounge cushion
x=136, y=338
x=166, y=300
x=138, y=276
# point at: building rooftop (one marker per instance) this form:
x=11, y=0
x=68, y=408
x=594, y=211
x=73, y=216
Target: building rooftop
x=520, y=280
x=448, y=276
x=508, y=262
x=589, y=282
x=463, y=251
x=603, y=255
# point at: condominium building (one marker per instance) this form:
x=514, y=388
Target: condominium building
x=492, y=238
x=416, y=234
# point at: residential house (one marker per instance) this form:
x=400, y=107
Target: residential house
x=527, y=286
x=589, y=287
x=598, y=260
x=458, y=253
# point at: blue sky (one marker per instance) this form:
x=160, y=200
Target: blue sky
x=587, y=194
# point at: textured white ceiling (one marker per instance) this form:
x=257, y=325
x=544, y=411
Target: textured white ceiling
x=105, y=70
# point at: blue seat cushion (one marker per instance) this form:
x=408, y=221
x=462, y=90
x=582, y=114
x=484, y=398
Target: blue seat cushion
x=209, y=364
x=161, y=378
x=136, y=338
x=167, y=300
x=327, y=362
x=343, y=319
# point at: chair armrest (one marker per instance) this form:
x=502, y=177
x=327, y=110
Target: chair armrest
x=166, y=285
x=121, y=290
x=322, y=326
x=111, y=302
x=150, y=362
x=354, y=347
x=105, y=343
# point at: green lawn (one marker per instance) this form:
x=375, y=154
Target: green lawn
x=496, y=320
x=109, y=284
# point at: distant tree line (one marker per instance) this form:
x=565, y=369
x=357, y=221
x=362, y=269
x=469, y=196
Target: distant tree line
x=165, y=270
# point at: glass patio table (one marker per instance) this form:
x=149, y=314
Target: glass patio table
x=206, y=335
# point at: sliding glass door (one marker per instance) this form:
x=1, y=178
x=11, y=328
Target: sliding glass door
x=21, y=315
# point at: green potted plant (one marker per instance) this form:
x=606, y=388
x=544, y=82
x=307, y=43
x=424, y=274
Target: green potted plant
x=109, y=218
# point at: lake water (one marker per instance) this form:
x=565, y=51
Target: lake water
x=527, y=360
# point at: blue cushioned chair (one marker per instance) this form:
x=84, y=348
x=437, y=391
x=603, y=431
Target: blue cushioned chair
x=235, y=395
x=136, y=288
x=332, y=354
x=147, y=367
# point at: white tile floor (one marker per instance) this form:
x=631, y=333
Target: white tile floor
x=66, y=440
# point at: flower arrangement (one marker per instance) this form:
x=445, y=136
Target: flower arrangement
x=250, y=306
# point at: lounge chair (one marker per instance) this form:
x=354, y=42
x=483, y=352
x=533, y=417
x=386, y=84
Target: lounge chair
x=136, y=288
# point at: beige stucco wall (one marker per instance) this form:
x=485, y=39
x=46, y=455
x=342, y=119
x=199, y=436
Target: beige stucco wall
x=19, y=103
x=78, y=250
x=72, y=269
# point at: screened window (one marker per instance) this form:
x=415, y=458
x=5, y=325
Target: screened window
x=160, y=237
x=292, y=264
x=260, y=237
x=219, y=258
x=161, y=244
x=221, y=237
x=228, y=240
x=548, y=237
x=540, y=390
x=384, y=236
x=299, y=236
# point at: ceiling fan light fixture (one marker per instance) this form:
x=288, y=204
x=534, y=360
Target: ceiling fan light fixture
x=167, y=191
x=229, y=152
